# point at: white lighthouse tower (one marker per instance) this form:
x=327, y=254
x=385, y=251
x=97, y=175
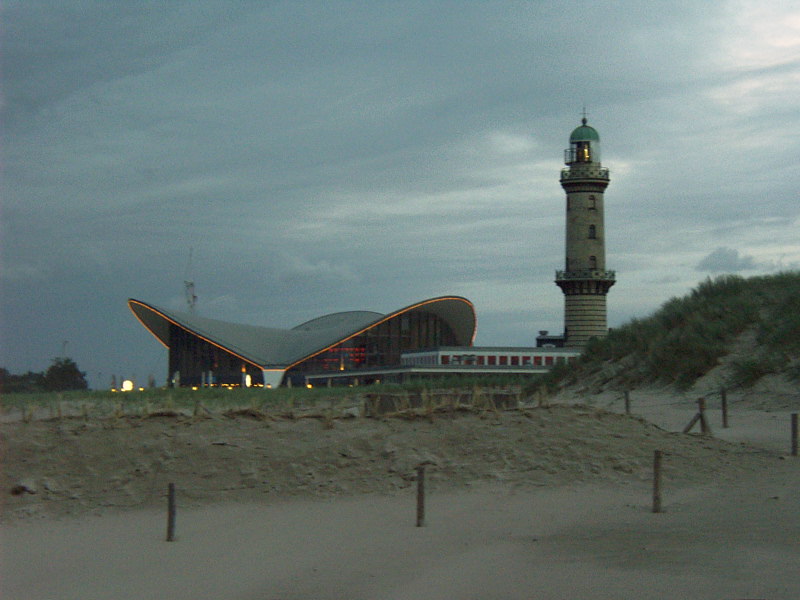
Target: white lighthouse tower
x=585, y=281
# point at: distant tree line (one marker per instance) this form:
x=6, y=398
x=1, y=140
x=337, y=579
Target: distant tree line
x=63, y=375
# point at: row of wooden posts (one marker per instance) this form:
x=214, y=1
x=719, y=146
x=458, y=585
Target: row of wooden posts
x=172, y=506
x=171, y=511
x=705, y=428
x=658, y=454
x=700, y=414
x=657, y=460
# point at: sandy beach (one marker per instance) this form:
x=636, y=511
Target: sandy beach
x=497, y=527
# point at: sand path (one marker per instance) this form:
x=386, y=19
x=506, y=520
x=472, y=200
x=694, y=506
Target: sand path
x=740, y=540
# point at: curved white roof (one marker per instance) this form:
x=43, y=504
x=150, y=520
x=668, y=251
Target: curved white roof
x=267, y=347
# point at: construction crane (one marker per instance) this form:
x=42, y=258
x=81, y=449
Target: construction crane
x=188, y=284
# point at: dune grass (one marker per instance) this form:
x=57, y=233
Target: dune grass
x=688, y=336
x=103, y=403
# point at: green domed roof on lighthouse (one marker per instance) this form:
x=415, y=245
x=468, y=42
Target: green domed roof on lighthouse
x=584, y=133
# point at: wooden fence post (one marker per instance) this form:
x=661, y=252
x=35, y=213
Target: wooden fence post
x=700, y=416
x=171, y=512
x=420, y=495
x=724, y=396
x=701, y=410
x=657, y=481
x=694, y=420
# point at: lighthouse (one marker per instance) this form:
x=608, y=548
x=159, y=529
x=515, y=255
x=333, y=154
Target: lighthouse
x=585, y=281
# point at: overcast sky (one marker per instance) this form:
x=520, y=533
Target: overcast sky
x=315, y=157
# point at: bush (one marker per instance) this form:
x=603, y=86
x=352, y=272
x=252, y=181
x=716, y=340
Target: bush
x=21, y=384
x=748, y=371
x=64, y=375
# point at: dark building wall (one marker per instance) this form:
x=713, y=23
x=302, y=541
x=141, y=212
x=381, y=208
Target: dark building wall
x=191, y=356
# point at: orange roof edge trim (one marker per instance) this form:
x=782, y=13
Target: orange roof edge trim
x=392, y=316
x=131, y=302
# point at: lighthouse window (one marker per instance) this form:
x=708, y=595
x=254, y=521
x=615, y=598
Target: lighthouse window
x=592, y=232
x=592, y=205
x=592, y=262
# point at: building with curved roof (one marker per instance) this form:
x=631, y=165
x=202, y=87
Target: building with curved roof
x=205, y=351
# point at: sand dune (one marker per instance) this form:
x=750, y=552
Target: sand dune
x=546, y=503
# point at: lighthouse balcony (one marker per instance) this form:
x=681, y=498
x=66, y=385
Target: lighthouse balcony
x=586, y=274
x=583, y=171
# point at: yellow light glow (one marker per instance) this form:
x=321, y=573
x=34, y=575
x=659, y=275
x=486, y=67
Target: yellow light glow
x=248, y=381
x=127, y=385
x=309, y=386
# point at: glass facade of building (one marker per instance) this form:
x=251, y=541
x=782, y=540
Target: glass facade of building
x=381, y=345
x=194, y=361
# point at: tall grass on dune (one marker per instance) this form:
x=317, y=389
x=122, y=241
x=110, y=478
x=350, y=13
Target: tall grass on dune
x=688, y=336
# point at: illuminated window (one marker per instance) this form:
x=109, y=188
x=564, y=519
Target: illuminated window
x=592, y=232
x=583, y=152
